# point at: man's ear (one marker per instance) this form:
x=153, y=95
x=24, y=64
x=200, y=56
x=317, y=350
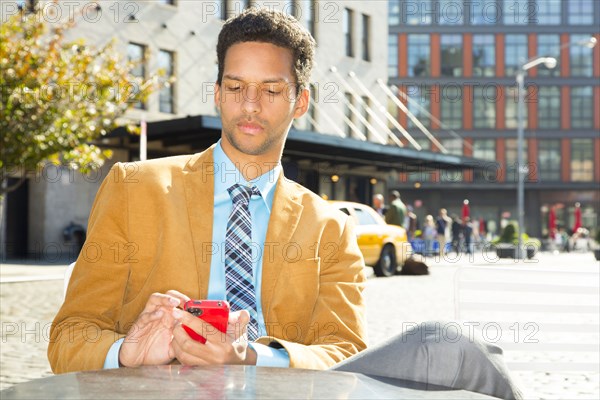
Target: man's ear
x=217, y=96
x=302, y=103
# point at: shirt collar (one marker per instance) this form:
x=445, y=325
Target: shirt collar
x=228, y=174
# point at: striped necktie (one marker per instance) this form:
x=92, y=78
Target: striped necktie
x=239, y=282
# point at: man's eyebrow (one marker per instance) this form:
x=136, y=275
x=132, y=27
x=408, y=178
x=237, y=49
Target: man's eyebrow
x=270, y=80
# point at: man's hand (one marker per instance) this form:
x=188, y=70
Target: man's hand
x=220, y=348
x=148, y=341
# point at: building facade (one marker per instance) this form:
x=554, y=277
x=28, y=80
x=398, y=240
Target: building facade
x=457, y=61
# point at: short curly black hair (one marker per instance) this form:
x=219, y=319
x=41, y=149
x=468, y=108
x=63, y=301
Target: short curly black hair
x=268, y=26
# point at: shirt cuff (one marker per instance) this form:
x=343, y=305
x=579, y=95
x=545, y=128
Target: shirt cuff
x=112, y=357
x=270, y=357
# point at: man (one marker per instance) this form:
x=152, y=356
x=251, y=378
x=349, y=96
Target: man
x=442, y=225
x=379, y=204
x=396, y=211
x=303, y=305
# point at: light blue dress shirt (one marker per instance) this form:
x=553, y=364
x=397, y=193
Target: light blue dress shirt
x=226, y=175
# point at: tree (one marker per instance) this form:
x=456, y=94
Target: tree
x=58, y=97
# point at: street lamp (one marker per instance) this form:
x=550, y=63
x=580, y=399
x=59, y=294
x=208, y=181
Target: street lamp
x=522, y=170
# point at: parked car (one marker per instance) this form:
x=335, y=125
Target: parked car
x=384, y=247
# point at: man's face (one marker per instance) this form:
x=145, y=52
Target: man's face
x=257, y=100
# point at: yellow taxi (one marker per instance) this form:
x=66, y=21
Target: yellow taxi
x=384, y=247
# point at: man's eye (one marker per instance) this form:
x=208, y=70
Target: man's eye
x=233, y=88
x=273, y=91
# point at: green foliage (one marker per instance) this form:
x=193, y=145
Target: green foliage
x=509, y=235
x=59, y=96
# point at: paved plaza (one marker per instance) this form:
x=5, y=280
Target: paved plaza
x=30, y=296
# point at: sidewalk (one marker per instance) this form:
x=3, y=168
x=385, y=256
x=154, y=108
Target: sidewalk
x=27, y=308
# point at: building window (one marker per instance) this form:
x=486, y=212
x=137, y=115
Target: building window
x=170, y=2
x=455, y=147
x=484, y=107
x=452, y=55
x=291, y=7
x=582, y=107
x=136, y=54
x=364, y=105
x=549, y=107
x=511, y=106
x=419, y=54
x=451, y=106
x=349, y=114
x=581, y=12
x=549, y=160
x=366, y=37
x=548, y=12
x=581, y=56
x=516, y=12
x=311, y=18
x=393, y=55
x=484, y=55
x=166, y=98
x=548, y=45
x=421, y=175
x=393, y=110
x=451, y=12
x=484, y=12
x=582, y=160
x=419, y=104
x=312, y=109
x=512, y=159
x=348, y=31
x=224, y=9
x=393, y=12
x=485, y=149
x=515, y=53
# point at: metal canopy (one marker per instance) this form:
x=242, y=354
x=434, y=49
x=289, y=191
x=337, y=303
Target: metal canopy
x=199, y=132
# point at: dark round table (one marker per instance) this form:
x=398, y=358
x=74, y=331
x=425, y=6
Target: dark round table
x=238, y=382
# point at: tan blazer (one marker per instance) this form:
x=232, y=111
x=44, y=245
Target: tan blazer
x=150, y=230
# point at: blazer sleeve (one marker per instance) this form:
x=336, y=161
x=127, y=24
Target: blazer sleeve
x=339, y=312
x=86, y=325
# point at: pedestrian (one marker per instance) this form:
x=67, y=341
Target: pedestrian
x=456, y=230
x=442, y=224
x=429, y=234
x=467, y=234
x=234, y=197
x=396, y=210
x=379, y=204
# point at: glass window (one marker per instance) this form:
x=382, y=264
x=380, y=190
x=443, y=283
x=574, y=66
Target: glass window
x=393, y=55
x=348, y=31
x=484, y=106
x=393, y=110
x=291, y=7
x=512, y=159
x=365, y=114
x=548, y=12
x=419, y=103
x=416, y=12
x=582, y=107
x=581, y=12
x=484, y=55
x=224, y=10
x=485, y=149
x=166, y=98
x=364, y=218
x=349, y=114
x=549, y=160
x=548, y=45
x=452, y=55
x=422, y=174
x=485, y=12
x=393, y=12
x=515, y=52
x=311, y=18
x=312, y=109
x=549, y=107
x=419, y=55
x=171, y=2
x=136, y=54
x=366, y=35
x=582, y=160
x=455, y=147
x=516, y=12
x=581, y=57
x=451, y=12
x=510, y=109
x=451, y=106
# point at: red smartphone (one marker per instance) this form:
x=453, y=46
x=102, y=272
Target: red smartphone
x=215, y=312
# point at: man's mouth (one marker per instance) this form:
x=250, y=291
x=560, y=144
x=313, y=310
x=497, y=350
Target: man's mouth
x=249, y=127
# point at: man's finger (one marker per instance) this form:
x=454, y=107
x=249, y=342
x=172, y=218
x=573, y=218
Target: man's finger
x=160, y=299
x=178, y=295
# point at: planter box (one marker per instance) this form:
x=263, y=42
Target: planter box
x=504, y=250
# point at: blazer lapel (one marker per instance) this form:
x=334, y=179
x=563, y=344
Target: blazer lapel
x=198, y=176
x=285, y=214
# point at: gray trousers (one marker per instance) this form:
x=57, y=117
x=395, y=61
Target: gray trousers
x=439, y=354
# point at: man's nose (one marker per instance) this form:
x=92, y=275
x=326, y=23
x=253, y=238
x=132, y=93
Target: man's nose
x=251, y=99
